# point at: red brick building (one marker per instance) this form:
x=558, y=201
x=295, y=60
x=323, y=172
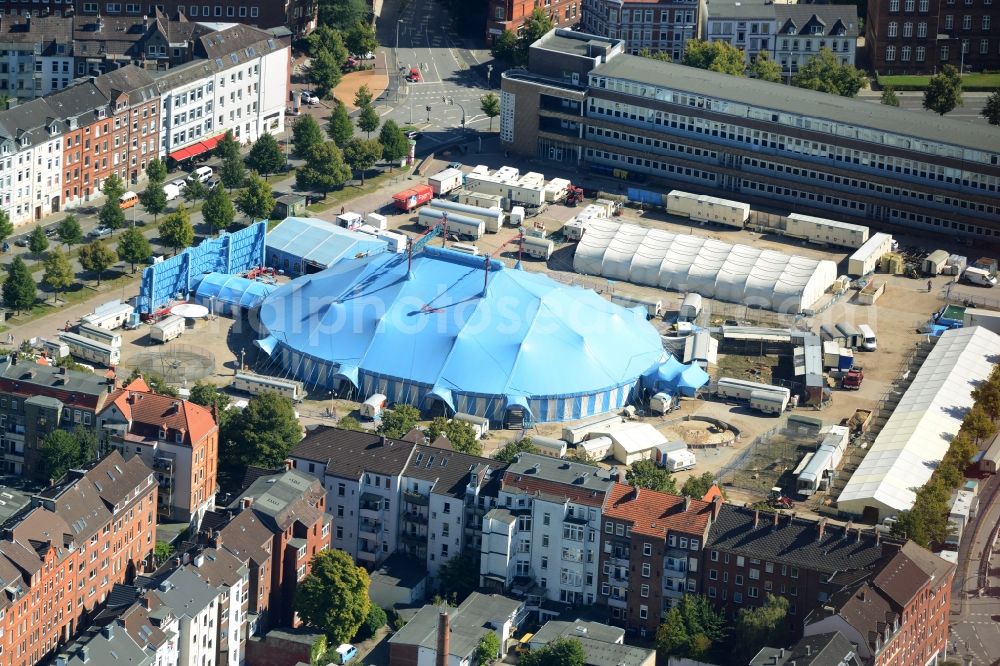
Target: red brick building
x=61, y=556
x=899, y=615
x=652, y=545
x=510, y=14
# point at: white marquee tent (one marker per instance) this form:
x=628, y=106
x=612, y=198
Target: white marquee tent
x=680, y=262
x=920, y=429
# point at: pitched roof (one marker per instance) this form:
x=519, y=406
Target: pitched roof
x=468, y=623
x=219, y=567
x=654, y=513
x=186, y=592
x=448, y=469
x=247, y=537
x=832, y=20
x=866, y=609
x=543, y=476
x=283, y=499
x=148, y=412
x=349, y=454
x=829, y=649
x=72, y=388
x=909, y=571
x=794, y=541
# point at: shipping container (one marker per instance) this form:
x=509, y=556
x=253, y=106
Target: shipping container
x=109, y=338
x=818, y=473
x=412, y=198
x=703, y=208
x=867, y=257
x=653, y=306
x=827, y=232
x=516, y=217
x=458, y=225
x=378, y=221
x=491, y=217
x=852, y=336
x=538, y=248
x=480, y=199
x=445, y=181
x=829, y=332
x=111, y=315
x=349, y=220
x=831, y=354
x=91, y=350
x=254, y=384
x=167, y=329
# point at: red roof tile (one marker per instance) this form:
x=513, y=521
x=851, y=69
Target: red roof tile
x=654, y=513
x=147, y=410
x=536, y=486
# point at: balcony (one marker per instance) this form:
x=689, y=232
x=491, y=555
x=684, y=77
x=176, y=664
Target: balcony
x=369, y=530
x=414, y=538
x=415, y=517
x=370, y=506
x=415, y=499
x=617, y=602
x=367, y=555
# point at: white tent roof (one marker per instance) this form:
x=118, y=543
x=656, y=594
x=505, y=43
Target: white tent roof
x=917, y=435
x=634, y=437
x=681, y=262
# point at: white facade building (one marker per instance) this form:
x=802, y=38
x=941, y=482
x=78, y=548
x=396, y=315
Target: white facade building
x=196, y=605
x=30, y=161
x=746, y=24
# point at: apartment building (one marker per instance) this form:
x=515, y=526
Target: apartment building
x=897, y=615
x=748, y=25
x=654, y=25
x=36, y=399
x=177, y=439
x=61, y=555
x=752, y=554
x=30, y=158
x=919, y=36
x=275, y=527
x=238, y=82
x=510, y=15
x=587, y=104
x=543, y=539
x=816, y=650
x=195, y=603
x=35, y=57
x=652, y=545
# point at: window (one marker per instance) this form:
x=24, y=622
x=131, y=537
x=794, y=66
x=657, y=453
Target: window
x=921, y=53
x=341, y=489
x=921, y=29
x=713, y=574
x=966, y=22
x=694, y=544
x=754, y=574
x=752, y=592
x=643, y=612
x=949, y=22
x=645, y=570
x=984, y=46
x=619, y=530
x=738, y=580
x=904, y=53
x=545, y=562
x=715, y=556
x=795, y=572
x=769, y=567
x=253, y=12
x=924, y=5
x=647, y=549
x=609, y=527
x=893, y=5
x=739, y=560
x=546, y=519
x=986, y=23
x=644, y=590
x=890, y=53
x=909, y=5
x=737, y=597
x=907, y=29
x=893, y=29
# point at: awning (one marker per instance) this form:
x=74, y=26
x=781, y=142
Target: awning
x=196, y=148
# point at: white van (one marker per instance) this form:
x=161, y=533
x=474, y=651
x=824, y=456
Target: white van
x=172, y=191
x=868, y=340
x=202, y=173
x=980, y=276
x=466, y=248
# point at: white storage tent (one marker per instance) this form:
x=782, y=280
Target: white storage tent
x=711, y=268
x=919, y=431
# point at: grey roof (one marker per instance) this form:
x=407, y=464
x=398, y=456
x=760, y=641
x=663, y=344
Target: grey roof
x=113, y=646
x=449, y=470
x=349, y=454
x=830, y=649
x=601, y=653
x=793, y=541
x=44, y=401
x=835, y=20
x=186, y=592
x=400, y=570
x=281, y=499
x=12, y=500
x=745, y=9
x=789, y=99
x=561, y=471
x=555, y=629
x=469, y=623
x=134, y=81
x=559, y=41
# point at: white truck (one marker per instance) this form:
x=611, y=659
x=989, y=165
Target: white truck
x=372, y=407
x=980, y=276
x=378, y=221
x=167, y=329
x=653, y=306
x=172, y=191
x=396, y=241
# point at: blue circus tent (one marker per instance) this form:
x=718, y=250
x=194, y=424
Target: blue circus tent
x=674, y=377
x=692, y=379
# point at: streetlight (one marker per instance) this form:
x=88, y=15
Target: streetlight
x=489, y=77
x=395, y=56
x=451, y=101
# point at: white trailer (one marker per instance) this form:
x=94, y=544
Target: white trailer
x=395, y=240
x=556, y=189
x=660, y=403
x=445, y=181
x=708, y=209
x=372, y=407
x=768, y=402
x=988, y=319
x=111, y=315
x=547, y=446
x=596, y=449
x=577, y=225
x=653, y=306
x=480, y=424
x=109, y=338
x=91, y=350
x=539, y=248
x=578, y=433
x=866, y=258
x=741, y=389
x=458, y=225
x=350, y=220
x=828, y=232
x=676, y=461
x=491, y=217
x=690, y=307
x=380, y=222
x=167, y=329
x=480, y=199
x=528, y=189
x=852, y=336
x=55, y=348
x=254, y=384
x=816, y=474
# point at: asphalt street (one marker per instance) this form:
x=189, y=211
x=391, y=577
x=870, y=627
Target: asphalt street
x=972, y=104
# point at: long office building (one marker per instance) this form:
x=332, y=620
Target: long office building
x=584, y=102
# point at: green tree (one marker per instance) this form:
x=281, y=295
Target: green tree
x=646, y=474
x=334, y=596
x=991, y=110
x=306, y=135
x=97, y=258
x=176, y=230
x=672, y=638
x=133, y=247
x=317, y=652
x=662, y=56
x=156, y=171
x=714, y=56
x=560, y=652
x=362, y=154
x=156, y=383
x=38, y=242
x=488, y=649
x=6, y=226
x=978, y=425
x=324, y=72
x=458, y=578
x=261, y=434
x=349, y=423
x=342, y=14
x=154, y=199
x=69, y=231
x=63, y=450
x=580, y=456
x=257, y=200
x=328, y=39
x=218, y=210
x=111, y=214
x=927, y=521
x=510, y=450
x=764, y=68
x=395, y=145
x=340, y=128
x=360, y=39
x=825, y=73
x=228, y=147
x=697, y=486
x=889, y=97
x=162, y=551
x=507, y=48
x=987, y=394
x=265, y=156
x=765, y=625
x=944, y=91
x=489, y=104
x=233, y=172
x=19, y=287
x=195, y=191
x=368, y=120
x=398, y=421
x=363, y=97
x=537, y=25
x=113, y=187
x=461, y=435
x=58, y=272
x=208, y=395
x=375, y=620
x=324, y=169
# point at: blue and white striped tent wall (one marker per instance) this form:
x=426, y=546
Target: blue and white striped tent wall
x=543, y=409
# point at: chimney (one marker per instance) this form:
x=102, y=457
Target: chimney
x=85, y=654
x=444, y=640
x=822, y=529
x=217, y=538
x=247, y=501
x=858, y=539
x=716, y=506
x=878, y=536
x=756, y=517
x=109, y=631
x=809, y=650
x=687, y=502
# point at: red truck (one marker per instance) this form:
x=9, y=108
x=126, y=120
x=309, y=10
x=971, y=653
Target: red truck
x=412, y=198
x=853, y=378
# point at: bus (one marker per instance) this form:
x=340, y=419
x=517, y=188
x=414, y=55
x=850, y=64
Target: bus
x=91, y=350
x=248, y=382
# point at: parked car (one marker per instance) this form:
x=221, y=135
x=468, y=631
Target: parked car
x=455, y=165
x=202, y=173
x=21, y=241
x=367, y=56
x=309, y=97
x=414, y=75
x=100, y=232
x=51, y=232
x=413, y=135
x=180, y=184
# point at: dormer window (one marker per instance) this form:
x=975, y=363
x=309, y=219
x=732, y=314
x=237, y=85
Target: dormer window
x=163, y=433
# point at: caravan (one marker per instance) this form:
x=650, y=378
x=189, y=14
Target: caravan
x=257, y=384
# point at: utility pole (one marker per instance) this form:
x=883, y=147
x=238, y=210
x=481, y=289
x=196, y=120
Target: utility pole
x=489, y=77
x=395, y=57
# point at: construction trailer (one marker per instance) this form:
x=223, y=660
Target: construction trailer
x=827, y=232
x=555, y=190
x=167, y=329
x=491, y=217
x=480, y=425
x=690, y=307
x=254, y=384
x=579, y=432
x=988, y=319
x=548, y=446
x=91, y=350
x=574, y=229
x=704, y=208
x=372, y=407
x=935, y=262
x=830, y=333
x=818, y=473
x=445, y=181
x=764, y=397
x=596, y=448
x=527, y=189
x=852, y=336
x=538, y=248
x=111, y=315
x=989, y=463
x=395, y=241
x=867, y=257
x=109, y=338
x=458, y=225
x=479, y=199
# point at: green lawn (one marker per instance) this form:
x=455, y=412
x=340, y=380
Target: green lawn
x=974, y=81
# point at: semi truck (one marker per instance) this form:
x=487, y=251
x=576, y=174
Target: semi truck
x=413, y=198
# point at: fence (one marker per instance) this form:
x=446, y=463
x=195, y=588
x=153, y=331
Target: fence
x=768, y=459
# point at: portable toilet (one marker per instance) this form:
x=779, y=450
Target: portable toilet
x=373, y=406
